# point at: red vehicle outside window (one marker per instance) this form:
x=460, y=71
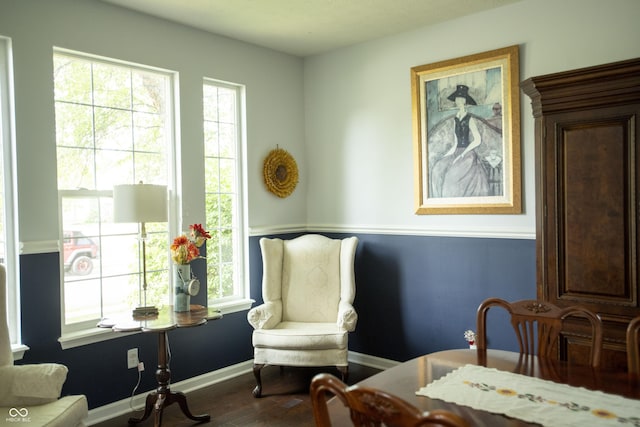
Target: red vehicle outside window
x=79, y=253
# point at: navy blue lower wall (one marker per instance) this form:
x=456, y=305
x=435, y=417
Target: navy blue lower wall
x=414, y=295
x=417, y=295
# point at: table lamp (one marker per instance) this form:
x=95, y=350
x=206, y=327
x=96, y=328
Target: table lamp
x=141, y=203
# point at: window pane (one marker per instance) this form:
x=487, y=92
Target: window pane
x=212, y=201
x=222, y=181
x=112, y=127
x=148, y=130
x=73, y=79
x=119, y=253
x=82, y=300
x=120, y=294
x=111, y=86
x=74, y=125
x=210, y=101
x=113, y=167
x=227, y=175
x=227, y=105
x=227, y=208
x=227, y=141
x=226, y=246
x=149, y=92
x=81, y=256
x=150, y=167
x=227, y=275
x=211, y=139
x=212, y=179
x=75, y=168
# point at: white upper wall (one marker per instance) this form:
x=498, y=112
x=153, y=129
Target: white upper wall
x=274, y=110
x=358, y=108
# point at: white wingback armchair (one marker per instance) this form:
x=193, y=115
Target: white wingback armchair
x=308, y=288
x=30, y=394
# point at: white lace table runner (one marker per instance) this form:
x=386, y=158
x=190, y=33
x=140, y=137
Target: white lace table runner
x=532, y=399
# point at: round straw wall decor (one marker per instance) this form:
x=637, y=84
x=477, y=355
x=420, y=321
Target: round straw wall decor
x=280, y=172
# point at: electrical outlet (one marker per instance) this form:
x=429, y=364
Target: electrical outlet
x=132, y=358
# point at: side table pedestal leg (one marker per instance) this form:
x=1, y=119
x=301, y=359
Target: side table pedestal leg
x=163, y=396
x=149, y=405
x=181, y=399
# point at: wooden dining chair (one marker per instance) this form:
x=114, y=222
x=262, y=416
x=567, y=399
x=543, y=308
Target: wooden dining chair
x=633, y=356
x=373, y=407
x=529, y=316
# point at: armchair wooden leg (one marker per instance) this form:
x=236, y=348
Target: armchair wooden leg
x=257, y=392
x=344, y=373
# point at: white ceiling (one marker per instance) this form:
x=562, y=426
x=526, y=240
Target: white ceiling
x=308, y=27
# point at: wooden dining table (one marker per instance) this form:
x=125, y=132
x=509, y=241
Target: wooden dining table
x=405, y=379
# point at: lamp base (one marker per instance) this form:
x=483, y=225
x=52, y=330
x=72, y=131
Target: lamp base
x=148, y=310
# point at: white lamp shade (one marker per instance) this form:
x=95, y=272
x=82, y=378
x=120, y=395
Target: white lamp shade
x=140, y=203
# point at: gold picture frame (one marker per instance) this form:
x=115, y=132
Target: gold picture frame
x=466, y=131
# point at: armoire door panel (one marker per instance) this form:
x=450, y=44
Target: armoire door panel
x=593, y=209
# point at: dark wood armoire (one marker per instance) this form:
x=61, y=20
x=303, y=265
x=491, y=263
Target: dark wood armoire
x=587, y=167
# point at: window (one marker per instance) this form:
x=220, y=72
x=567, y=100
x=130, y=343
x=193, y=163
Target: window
x=223, y=186
x=8, y=216
x=113, y=126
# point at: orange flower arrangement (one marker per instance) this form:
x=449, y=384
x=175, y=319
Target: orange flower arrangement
x=187, y=248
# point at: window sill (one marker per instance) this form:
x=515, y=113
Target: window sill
x=18, y=351
x=89, y=336
x=234, y=306
x=95, y=335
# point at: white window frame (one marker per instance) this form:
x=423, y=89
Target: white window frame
x=87, y=332
x=8, y=144
x=241, y=300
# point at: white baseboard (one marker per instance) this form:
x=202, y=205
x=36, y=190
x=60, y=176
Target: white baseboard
x=124, y=406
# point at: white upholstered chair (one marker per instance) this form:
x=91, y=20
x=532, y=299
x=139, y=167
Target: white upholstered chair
x=308, y=287
x=30, y=394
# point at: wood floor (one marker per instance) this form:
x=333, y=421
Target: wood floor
x=285, y=400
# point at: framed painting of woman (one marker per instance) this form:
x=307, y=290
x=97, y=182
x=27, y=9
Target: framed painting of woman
x=466, y=129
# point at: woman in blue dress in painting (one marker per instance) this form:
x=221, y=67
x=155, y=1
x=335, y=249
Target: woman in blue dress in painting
x=459, y=173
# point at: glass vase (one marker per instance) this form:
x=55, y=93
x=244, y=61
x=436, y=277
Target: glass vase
x=181, y=298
